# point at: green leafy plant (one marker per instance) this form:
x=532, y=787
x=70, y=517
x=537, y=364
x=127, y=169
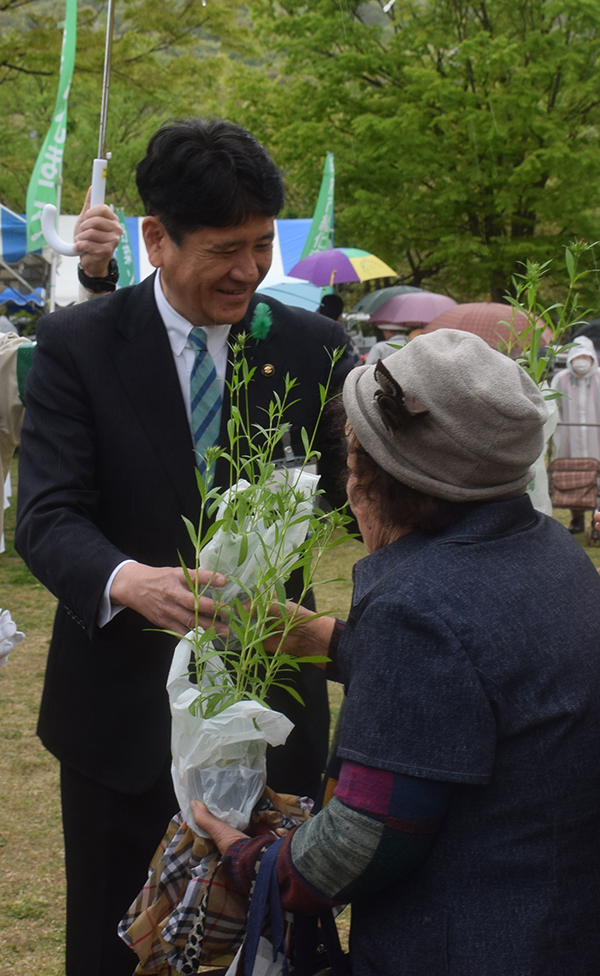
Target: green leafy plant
x=559, y=317
x=256, y=532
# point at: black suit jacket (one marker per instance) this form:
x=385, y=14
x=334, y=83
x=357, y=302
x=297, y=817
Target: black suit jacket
x=106, y=472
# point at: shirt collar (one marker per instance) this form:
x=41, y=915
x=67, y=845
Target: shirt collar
x=178, y=328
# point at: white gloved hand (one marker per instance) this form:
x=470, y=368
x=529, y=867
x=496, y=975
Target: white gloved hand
x=9, y=636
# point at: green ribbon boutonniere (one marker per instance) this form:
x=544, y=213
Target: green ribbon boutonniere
x=262, y=320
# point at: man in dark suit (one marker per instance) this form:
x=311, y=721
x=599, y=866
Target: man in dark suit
x=107, y=471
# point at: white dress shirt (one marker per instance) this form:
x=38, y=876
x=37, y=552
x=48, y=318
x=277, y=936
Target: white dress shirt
x=184, y=352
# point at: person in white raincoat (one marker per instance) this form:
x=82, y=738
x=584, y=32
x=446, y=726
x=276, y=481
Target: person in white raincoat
x=578, y=432
x=97, y=234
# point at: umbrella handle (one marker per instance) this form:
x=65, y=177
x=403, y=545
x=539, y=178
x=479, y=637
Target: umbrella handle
x=98, y=182
x=49, y=212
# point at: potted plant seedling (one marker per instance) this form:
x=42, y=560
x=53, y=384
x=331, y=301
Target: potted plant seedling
x=255, y=532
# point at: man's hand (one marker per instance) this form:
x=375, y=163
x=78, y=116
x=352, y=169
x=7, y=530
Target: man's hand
x=222, y=834
x=97, y=233
x=163, y=596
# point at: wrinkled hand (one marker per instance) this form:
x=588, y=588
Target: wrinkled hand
x=97, y=233
x=221, y=833
x=163, y=596
x=309, y=637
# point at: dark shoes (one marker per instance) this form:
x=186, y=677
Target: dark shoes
x=577, y=525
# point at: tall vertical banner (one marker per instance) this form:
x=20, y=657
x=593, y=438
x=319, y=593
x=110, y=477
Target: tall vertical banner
x=43, y=185
x=125, y=258
x=320, y=235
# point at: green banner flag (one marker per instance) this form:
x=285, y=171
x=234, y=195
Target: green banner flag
x=43, y=185
x=320, y=235
x=125, y=259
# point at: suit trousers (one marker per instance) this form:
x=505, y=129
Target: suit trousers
x=110, y=839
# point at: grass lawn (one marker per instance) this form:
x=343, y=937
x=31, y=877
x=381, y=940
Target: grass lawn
x=32, y=894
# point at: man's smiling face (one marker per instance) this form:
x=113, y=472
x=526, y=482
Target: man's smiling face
x=211, y=278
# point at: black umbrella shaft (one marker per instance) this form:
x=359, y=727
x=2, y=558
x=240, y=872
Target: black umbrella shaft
x=110, y=17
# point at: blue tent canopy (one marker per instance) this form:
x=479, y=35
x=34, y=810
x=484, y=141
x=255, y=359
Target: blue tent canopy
x=13, y=235
x=15, y=301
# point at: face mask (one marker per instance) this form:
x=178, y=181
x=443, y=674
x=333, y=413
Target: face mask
x=581, y=365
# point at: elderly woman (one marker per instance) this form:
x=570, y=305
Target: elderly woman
x=464, y=827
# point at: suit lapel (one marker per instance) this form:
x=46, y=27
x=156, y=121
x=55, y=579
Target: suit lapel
x=144, y=363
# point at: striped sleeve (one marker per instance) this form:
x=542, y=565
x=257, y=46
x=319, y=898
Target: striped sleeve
x=377, y=828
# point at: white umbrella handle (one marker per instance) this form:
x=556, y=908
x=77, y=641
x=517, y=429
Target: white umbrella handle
x=49, y=212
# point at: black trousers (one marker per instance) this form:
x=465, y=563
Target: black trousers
x=110, y=839
x=297, y=767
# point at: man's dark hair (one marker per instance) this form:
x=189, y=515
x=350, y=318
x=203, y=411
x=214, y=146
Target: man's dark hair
x=207, y=174
x=332, y=306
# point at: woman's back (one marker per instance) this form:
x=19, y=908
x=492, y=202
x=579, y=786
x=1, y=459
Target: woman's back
x=473, y=657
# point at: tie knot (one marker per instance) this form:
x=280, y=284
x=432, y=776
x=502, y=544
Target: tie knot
x=198, y=337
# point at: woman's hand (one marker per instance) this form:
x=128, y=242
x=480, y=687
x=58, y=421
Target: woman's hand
x=221, y=833
x=309, y=637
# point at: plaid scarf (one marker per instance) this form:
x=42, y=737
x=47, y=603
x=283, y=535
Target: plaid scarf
x=190, y=913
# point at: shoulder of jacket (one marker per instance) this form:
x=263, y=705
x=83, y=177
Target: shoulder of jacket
x=304, y=324
x=100, y=312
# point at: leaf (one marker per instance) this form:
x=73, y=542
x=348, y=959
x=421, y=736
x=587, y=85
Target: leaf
x=317, y=659
x=570, y=262
x=201, y=485
x=186, y=571
x=305, y=440
x=243, y=550
x=290, y=690
x=257, y=698
x=163, y=630
x=191, y=531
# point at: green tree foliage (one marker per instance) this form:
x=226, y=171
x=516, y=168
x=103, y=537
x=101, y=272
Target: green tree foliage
x=466, y=134
x=168, y=57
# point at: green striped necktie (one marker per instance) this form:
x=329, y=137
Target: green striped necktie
x=205, y=398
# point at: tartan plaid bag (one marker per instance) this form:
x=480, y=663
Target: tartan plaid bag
x=573, y=482
x=188, y=914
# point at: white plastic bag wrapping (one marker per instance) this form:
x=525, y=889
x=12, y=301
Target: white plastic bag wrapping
x=222, y=553
x=9, y=636
x=220, y=760
x=537, y=489
x=263, y=964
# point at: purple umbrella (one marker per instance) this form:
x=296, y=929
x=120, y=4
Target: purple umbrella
x=420, y=306
x=340, y=264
